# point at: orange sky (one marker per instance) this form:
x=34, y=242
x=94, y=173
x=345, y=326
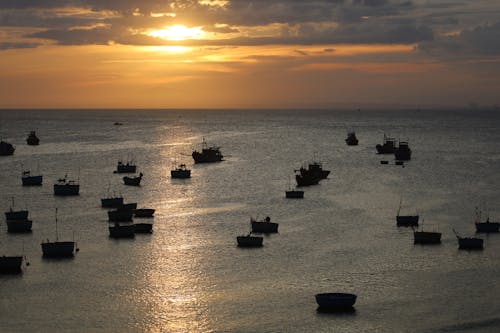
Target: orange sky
x=80, y=60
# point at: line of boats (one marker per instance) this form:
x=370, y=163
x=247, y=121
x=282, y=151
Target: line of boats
x=264, y=226
x=7, y=148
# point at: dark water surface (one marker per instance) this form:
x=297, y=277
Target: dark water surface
x=189, y=276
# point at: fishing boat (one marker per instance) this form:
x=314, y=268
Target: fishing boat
x=249, y=241
x=29, y=180
x=335, y=300
x=265, y=226
x=469, y=243
x=405, y=220
x=65, y=187
x=403, y=152
x=10, y=264
x=351, y=139
x=58, y=248
x=133, y=181
x=314, y=169
x=16, y=214
x=118, y=230
x=306, y=179
x=181, y=172
x=19, y=226
x=128, y=167
x=144, y=212
x=32, y=139
x=143, y=228
x=426, y=237
x=208, y=154
x=388, y=146
x=6, y=149
x=120, y=215
x=487, y=226
x=111, y=202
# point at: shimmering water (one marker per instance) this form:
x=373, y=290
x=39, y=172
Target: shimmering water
x=189, y=276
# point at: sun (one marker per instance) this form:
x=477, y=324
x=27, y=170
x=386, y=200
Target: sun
x=178, y=32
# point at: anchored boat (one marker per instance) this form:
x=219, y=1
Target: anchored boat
x=208, y=154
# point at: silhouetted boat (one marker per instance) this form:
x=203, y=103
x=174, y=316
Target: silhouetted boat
x=306, y=179
x=143, y=228
x=426, y=237
x=469, y=243
x=335, y=300
x=117, y=123
x=180, y=172
x=384, y=162
x=144, y=212
x=65, y=187
x=208, y=154
x=265, y=226
x=19, y=226
x=388, y=146
x=406, y=220
x=121, y=231
x=58, y=248
x=314, y=169
x=112, y=202
x=487, y=226
x=125, y=167
x=130, y=206
x=133, y=181
x=16, y=214
x=403, y=152
x=32, y=139
x=249, y=241
x=11, y=264
x=351, y=139
x=29, y=180
x=294, y=194
x=6, y=149
x=120, y=215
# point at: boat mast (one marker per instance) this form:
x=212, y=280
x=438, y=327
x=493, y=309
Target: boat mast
x=57, y=234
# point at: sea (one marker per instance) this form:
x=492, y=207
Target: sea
x=190, y=276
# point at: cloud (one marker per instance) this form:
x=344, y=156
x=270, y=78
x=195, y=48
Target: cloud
x=17, y=45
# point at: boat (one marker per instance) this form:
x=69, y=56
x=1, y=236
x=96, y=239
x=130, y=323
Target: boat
x=133, y=181
x=117, y=123
x=335, y=300
x=487, y=226
x=10, y=264
x=388, y=146
x=58, y=249
x=384, y=162
x=403, y=152
x=32, y=139
x=208, y=154
x=128, y=167
x=181, y=172
x=6, y=149
x=111, y=202
x=130, y=206
x=19, y=226
x=265, y=226
x=306, y=179
x=29, y=180
x=16, y=214
x=249, y=241
x=121, y=231
x=120, y=215
x=406, y=220
x=294, y=194
x=426, y=237
x=469, y=243
x=65, y=187
x=315, y=169
x=143, y=228
x=351, y=139
x=144, y=212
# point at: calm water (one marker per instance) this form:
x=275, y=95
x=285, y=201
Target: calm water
x=189, y=276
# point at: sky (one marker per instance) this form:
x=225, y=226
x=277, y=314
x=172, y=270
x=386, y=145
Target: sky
x=249, y=54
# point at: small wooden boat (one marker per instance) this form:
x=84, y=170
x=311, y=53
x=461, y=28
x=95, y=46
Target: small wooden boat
x=6, y=149
x=32, y=139
x=405, y=220
x=120, y=215
x=181, y=172
x=335, y=300
x=58, y=249
x=351, y=139
x=16, y=214
x=469, y=243
x=426, y=237
x=144, y=212
x=29, y=180
x=487, y=226
x=19, y=226
x=122, y=231
x=65, y=187
x=10, y=264
x=264, y=227
x=111, y=202
x=208, y=154
x=403, y=152
x=249, y=241
x=133, y=181
x=132, y=206
x=143, y=228
x=128, y=167
x=294, y=194
x=388, y=146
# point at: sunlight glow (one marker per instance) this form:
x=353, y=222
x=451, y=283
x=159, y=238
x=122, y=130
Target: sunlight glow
x=178, y=32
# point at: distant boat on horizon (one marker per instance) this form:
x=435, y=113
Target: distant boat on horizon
x=388, y=146
x=403, y=152
x=351, y=139
x=32, y=139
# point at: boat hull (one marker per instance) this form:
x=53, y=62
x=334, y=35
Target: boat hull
x=294, y=194
x=207, y=156
x=17, y=215
x=19, y=226
x=58, y=249
x=124, y=168
x=10, y=264
x=426, y=237
x=120, y=215
x=32, y=180
x=487, y=227
x=144, y=212
x=180, y=174
x=407, y=221
x=122, y=231
x=66, y=190
x=6, y=149
x=249, y=241
x=264, y=227
x=335, y=300
x=470, y=243
x=132, y=181
x=111, y=202
x=143, y=228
